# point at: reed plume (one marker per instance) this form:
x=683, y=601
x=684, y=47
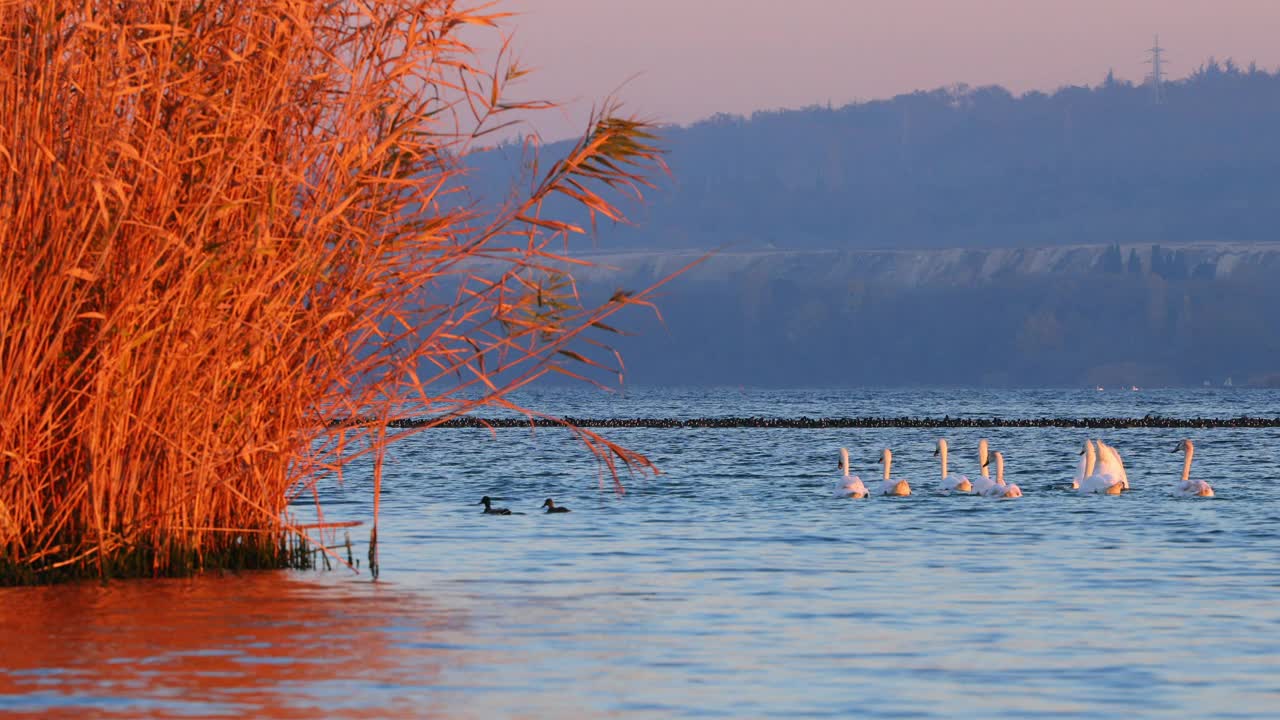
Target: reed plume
x=227, y=227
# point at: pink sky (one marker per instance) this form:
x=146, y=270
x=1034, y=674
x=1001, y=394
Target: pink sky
x=687, y=59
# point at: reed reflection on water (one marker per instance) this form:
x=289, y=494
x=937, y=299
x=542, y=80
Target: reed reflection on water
x=275, y=644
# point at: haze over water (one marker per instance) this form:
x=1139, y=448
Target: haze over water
x=733, y=585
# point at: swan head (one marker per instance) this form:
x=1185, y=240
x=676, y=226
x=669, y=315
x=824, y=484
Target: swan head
x=941, y=447
x=982, y=451
x=1185, y=446
x=885, y=456
x=844, y=459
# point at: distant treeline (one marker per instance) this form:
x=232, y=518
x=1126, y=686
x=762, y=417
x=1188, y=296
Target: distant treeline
x=976, y=167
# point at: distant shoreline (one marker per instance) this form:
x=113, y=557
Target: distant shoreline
x=833, y=422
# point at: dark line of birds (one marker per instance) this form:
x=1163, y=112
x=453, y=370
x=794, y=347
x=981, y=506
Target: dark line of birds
x=1150, y=421
x=489, y=509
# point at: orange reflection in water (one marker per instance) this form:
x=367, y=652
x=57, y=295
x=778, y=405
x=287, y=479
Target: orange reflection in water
x=271, y=645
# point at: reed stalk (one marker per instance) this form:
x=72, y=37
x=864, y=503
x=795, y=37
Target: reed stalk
x=225, y=226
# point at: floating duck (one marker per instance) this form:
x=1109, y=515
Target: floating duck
x=551, y=507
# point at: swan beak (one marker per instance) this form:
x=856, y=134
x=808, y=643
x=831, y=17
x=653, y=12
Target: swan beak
x=1081, y=452
x=935, y=452
x=988, y=462
x=1179, y=448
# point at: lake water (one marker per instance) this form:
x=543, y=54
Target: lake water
x=733, y=585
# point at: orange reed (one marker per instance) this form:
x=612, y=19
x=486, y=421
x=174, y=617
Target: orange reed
x=225, y=227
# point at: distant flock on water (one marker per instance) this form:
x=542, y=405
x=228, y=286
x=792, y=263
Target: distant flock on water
x=1101, y=472
x=550, y=505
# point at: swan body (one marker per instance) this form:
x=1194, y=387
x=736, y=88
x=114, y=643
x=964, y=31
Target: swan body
x=888, y=486
x=951, y=483
x=1109, y=458
x=1100, y=477
x=848, y=485
x=1188, y=487
x=998, y=488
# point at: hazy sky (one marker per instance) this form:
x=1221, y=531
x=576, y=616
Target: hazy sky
x=681, y=60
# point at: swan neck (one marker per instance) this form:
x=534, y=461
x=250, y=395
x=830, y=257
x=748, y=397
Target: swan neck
x=943, y=453
x=844, y=461
x=1186, y=465
x=1090, y=458
x=888, y=460
x=999, y=469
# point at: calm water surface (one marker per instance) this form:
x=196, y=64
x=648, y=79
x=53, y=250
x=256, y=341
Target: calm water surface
x=731, y=586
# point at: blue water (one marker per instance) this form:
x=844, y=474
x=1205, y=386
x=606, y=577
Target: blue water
x=733, y=585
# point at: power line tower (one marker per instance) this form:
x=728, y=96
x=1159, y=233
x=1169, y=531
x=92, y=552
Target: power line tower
x=1156, y=78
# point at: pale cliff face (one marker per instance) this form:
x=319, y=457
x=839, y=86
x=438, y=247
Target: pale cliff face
x=955, y=267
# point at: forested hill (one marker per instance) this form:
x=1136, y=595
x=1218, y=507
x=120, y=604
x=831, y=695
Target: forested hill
x=964, y=237
x=975, y=167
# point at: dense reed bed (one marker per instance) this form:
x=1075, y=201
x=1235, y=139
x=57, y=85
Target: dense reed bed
x=223, y=225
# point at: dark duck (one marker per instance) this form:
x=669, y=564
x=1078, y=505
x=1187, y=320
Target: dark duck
x=490, y=510
x=551, y=507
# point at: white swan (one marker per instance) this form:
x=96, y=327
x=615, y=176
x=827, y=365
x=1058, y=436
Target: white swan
x=1097, y=477
x=1087, y=460
x=892, y=487
x=999, y=488
x=848, y=485
x=983, y=483
x=1189, y=487
x=957, y=483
